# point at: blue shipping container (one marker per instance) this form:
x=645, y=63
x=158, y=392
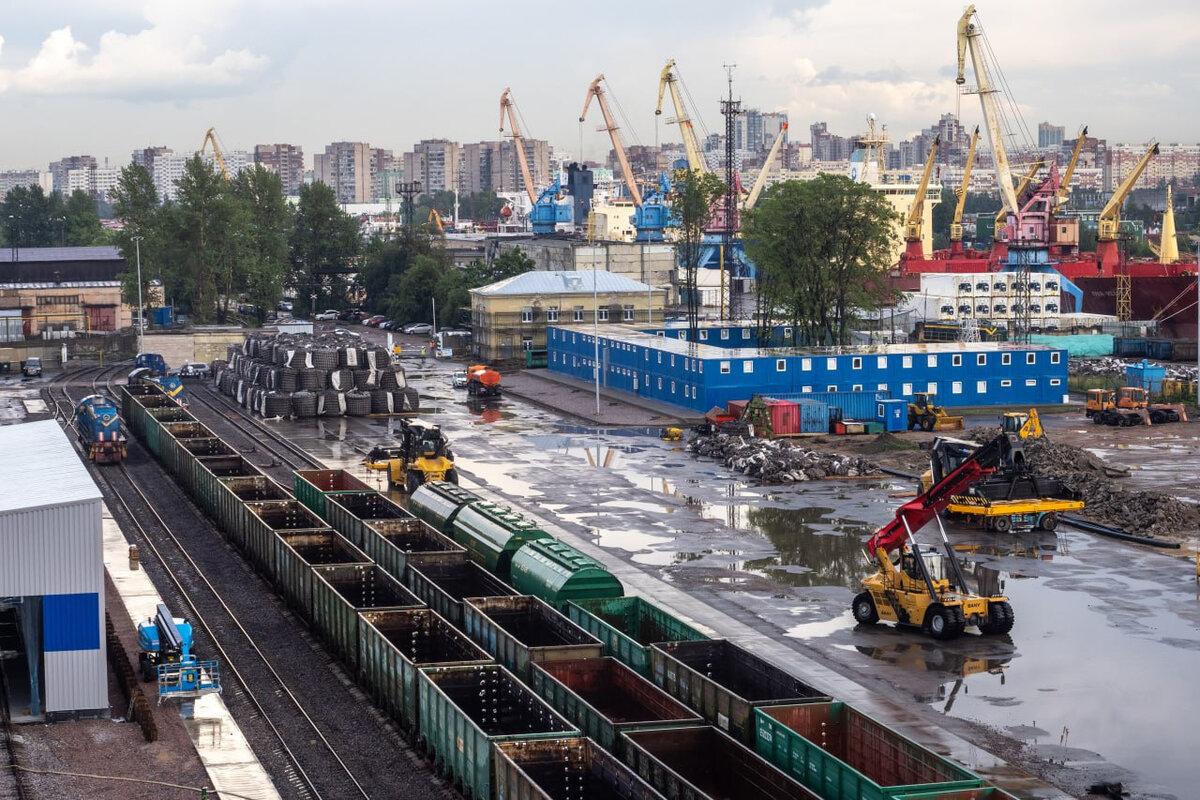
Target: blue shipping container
x=1129, y=347
x=1159, y=349
x=893, y=414
x=1146, y=375
x=164, y=316
x=814, y=416
x=854, y=405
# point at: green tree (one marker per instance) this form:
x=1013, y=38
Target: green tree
x=135, y=204
x=80, y=224
x=204, y=249
x=25, y=215
x=267, y=219
x=693, y=203
x=412, y=292
x=822, y=248
x=508, y=264
x=385, y=259
x=323, y=247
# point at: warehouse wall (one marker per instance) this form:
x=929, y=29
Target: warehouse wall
x=699, y=377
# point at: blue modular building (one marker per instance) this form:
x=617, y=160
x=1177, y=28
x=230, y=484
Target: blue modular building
x=701, y=375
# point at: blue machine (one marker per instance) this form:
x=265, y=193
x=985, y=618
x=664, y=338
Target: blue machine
x=548, y=212
x=171, y=385
x=153, y=362
x=98, y=422
x=165, y=652
x=653, y=216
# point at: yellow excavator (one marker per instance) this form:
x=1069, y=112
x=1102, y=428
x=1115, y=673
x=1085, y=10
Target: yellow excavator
x=1023, y=425
x=423, y=455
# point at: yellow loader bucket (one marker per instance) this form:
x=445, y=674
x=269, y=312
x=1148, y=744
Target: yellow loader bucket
x=948, y=424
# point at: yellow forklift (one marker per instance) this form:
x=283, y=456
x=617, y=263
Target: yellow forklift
x=423, y=455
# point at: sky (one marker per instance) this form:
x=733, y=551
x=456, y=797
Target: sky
x=107, y=78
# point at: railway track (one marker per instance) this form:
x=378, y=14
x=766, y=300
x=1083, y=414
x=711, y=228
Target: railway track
x=259, y=435
x=314, y=733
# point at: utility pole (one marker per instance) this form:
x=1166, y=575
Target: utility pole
x=731, y=109
x=409, y=191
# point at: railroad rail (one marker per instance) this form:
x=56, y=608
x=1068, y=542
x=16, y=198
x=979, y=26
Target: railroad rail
x=317, y=770
x=290, y=455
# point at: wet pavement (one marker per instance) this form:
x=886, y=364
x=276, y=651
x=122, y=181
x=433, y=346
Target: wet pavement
x=1097, y=675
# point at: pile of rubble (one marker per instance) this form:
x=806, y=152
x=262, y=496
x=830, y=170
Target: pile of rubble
x=1115, y=368
x=777, y=461
x=1142, y=513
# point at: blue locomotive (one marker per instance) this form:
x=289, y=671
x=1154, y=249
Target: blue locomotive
x=99, y=424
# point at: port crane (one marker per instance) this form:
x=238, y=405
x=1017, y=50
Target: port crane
x=210, y=137
x=956, y=228
x=761, y=180
x=669, y=80
x=1110, y=217
x=1064, y=189
x=916, y=213
x=545, y=211
x=969, y=38
x=650, y=219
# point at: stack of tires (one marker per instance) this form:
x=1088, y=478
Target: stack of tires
x=301, y=375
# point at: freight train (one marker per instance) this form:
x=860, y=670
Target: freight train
x=98, y=424
x=515, y=662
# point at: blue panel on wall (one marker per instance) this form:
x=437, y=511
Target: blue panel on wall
x=70, y=622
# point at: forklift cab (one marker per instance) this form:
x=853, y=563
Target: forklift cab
x=1131, y=397
x=924, y=400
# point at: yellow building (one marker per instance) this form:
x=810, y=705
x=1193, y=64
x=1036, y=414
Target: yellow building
x=510, y=316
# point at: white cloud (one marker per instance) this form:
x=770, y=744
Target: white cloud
x=169, y=60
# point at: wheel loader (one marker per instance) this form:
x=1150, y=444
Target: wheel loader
x=926, y=414
x=423, y=455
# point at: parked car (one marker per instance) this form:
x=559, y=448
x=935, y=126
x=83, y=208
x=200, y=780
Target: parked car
x=387, y=324
x=458, y=379
x=284, y=305
x=194, y=369
x=418, y=329
x=326, y=316
x=347, y=332
x=32, y=367
x=373, y=321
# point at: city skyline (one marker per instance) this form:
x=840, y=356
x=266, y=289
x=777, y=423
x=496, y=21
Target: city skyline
x=75, y=79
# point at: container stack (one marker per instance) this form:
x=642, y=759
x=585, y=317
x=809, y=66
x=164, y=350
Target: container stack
x=302, y=375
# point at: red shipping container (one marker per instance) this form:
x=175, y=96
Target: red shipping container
x=785, y=417
x=736, y=408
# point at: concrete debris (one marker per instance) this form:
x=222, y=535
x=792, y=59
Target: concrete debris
x=777, y=461
x=1151, y=514
x=1115, y=367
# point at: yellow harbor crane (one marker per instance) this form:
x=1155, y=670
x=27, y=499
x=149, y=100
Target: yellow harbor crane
x=210, y=137
x=506, y=107
x=596, y=91
x=916, y=213
x=691, y=145
x=1109, y=230
x=1064, y=188
x=1022, y=185
x=956, y=228
x=761, y=181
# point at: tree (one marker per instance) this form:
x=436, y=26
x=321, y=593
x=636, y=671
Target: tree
x=80, y=222
x=201, y=230
x=135, y=203
x=323, y=246
x=693, y=203
x=412, y=292
x=508, y=264
x=386, y=259
x=268, y=219
x=822, y=248
x=25, y=214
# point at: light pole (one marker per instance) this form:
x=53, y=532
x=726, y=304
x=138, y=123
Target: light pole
x=137, y=246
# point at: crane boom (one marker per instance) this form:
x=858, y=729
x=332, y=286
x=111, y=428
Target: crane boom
x=956, y=228
x=916, y=513
x=912, y=226
x=761, y=180
x=210, y=137
x=595, y=91
x=1064, y=189
x=506, y=105
x=1022, y=185
x=1110, y=217
x=968, y=34
x=668, y=80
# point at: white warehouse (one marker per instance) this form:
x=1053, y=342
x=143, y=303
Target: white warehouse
x=51, y=577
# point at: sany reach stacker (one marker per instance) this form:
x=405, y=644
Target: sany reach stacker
x=925, y=589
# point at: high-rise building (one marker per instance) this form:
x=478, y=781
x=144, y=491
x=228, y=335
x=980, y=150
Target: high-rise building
x=772, y=122
x=348, y=169
x=11, y=179
x=828, y=146
x=479, y=165
x=146, y=157
x=60, y=170
x=285, y=160
x=433, y=162
x=1049, y=135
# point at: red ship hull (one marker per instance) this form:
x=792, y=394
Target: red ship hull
x=1171, y=299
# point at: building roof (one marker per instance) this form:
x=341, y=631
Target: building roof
x=40, y=468
x=43, y=254
x=541, y=281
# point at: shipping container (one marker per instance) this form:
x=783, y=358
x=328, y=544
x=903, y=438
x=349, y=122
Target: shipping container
x=394, y=645
x=1129, y=347
x=785, y=417
x=725, y=683
x=841, y=753
x=814, y=416
x=564, y=769
x=295, y=554
x=628, y=626
x=492, y=534
x=340, y=592
x=1159, y=349
x=702, y=763
x=388, y=533
x=557, y=572
x=523, y=630
x=604, y=698
x=439, y=502
x=1184, y=350
x=464, y=711
x=443, y=586
x=853, y=405
x=311, y=486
